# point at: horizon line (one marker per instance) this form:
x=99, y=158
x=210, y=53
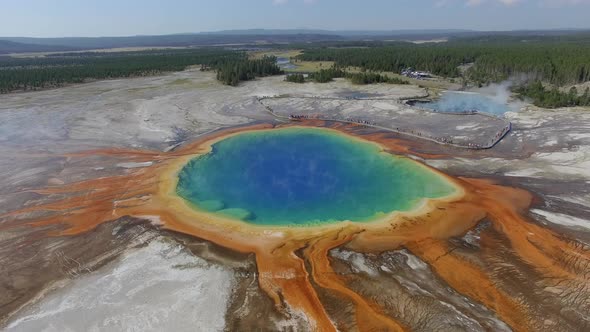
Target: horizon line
x=334, y=31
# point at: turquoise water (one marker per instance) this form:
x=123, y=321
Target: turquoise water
x=301, y=176
x=285, y=63
x=461, y=102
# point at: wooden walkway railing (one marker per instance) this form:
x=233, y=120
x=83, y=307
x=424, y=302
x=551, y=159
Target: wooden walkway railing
x=444, y=141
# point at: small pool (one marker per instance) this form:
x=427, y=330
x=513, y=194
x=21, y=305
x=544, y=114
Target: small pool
x=285, y=63
x=459, y=102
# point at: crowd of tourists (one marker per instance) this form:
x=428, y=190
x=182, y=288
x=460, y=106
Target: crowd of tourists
x=464, y=112
x=441, y=139
x=328, y=118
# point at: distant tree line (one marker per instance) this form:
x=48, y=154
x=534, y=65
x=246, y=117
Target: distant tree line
x=551, y=98
x=558, y=61
x=42, y=72
x=295, y=78
x=327, y=75
x=233, y=71
x=553, y=61
x=392, y=58
x=371, y=78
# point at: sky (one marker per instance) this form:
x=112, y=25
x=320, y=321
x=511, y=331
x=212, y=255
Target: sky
x=67, y=18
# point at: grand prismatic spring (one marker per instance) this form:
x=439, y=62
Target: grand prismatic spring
x=373, y=199
x=305, y=177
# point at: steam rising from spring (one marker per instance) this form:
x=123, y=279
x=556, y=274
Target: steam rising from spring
x=501, y=92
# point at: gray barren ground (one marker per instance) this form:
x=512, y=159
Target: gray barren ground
x=50, y=281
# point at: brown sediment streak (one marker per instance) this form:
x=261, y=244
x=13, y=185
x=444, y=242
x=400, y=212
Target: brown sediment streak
x=538, y=246
x=467, y=279
x=369, y=316
x=282, y=275
x=150, y=193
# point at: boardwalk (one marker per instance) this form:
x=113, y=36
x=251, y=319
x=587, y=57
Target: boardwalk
x=471, y=130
